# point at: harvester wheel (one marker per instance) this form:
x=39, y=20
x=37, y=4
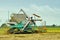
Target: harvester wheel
x=13, y=31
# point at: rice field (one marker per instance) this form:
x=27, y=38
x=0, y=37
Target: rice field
x=53, y=29
x=53, y=33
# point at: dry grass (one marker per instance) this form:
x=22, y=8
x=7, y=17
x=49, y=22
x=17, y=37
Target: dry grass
x=37, y=36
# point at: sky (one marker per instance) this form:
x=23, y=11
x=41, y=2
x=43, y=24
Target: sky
x=49, y=10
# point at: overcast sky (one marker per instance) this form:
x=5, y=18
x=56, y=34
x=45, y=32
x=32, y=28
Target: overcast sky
x=49, y=10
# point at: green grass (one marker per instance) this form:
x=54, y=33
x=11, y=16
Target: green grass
x=3, y=30
x=53, y=29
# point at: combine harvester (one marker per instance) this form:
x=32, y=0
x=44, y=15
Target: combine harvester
x=24, y=24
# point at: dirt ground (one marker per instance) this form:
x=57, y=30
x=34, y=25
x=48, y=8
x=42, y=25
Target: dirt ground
x=35, y=36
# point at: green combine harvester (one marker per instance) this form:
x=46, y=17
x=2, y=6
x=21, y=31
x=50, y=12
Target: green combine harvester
x=26, y=25
x=22, y=27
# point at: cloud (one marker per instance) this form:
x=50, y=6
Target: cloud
x=48, y=14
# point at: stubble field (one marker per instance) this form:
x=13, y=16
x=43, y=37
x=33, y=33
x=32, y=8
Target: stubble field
x=35, y=36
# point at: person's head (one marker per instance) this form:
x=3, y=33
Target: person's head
x=31, y=17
